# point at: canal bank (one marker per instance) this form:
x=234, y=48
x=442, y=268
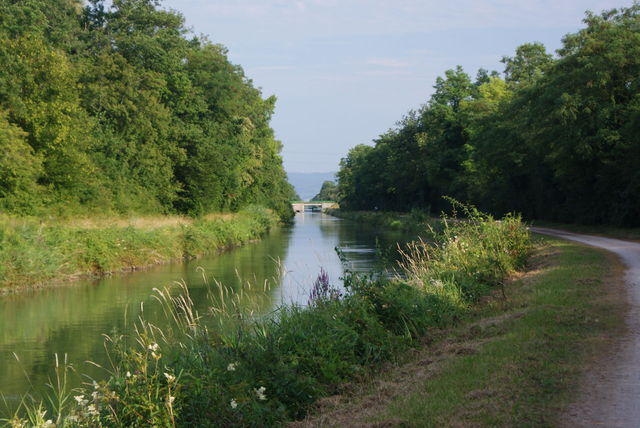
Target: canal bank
x=514, y=360
x=273, y=368
x=37, y=253
x=37, y=324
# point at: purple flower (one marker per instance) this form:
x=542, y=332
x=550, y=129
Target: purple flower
x=322, y=289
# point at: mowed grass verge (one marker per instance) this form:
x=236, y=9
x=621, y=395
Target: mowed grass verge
x=512, y=362
x=35, y=253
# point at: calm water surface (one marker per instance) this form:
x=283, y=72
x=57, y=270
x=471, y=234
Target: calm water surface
x=72, y=319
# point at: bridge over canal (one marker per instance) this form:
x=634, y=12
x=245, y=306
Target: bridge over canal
x=301, y=206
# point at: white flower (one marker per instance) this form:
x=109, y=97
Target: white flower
x=49, y=423
x=128, y=374
x=171, y=399
x=170, y=378
x=260, y=393
x=231, y=367
x=234, y=404
x=153, y=347
x=92, y=410
x=81, y=400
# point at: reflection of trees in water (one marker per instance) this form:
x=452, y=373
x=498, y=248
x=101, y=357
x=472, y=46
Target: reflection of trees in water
x=72, y=319
x=354, y=235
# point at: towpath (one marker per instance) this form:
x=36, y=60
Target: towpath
x=610, y=395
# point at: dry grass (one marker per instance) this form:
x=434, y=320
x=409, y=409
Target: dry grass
x=147, y=223
x=101, y=222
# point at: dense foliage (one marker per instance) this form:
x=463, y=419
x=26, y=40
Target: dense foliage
x=554, y=138
x=328, y=192
x=264, y=371
x=113, y=107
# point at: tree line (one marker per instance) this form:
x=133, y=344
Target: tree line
x=554, y=137
x=114, y=106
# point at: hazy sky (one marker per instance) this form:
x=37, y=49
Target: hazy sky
x=345, y=71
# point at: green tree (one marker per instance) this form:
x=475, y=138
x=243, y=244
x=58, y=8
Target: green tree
x=530, y=62
x=328, y=192
x=116, y=109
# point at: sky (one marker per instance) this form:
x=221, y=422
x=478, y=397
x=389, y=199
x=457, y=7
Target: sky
x=345, y=71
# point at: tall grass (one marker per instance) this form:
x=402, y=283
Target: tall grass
x=468, y=256
x=33, y=251
x=261, y=371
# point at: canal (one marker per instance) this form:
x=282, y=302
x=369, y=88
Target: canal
x=72, y=319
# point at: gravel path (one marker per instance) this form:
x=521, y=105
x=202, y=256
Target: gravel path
x=611, y=395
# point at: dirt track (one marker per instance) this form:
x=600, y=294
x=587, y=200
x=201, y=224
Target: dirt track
x=610, y=396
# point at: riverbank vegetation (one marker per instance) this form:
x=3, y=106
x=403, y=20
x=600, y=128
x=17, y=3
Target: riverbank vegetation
x=115, y=107
x=34, y=251
x=514, y=361
x=266, y=370
x=553, y=137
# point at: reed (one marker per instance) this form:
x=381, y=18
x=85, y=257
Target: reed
x=233, y=366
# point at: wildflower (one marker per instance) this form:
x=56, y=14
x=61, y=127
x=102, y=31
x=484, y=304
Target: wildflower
x=170, y=378
x=49, y=423
x=234, y=404
x=80, y=399
x=232, y=367
x=95, y=385
x=156, y=356
x=260, y=393
x=171, y=399
x=92, y=410
x=153, y=347
x=94, y=395
x=128, y=374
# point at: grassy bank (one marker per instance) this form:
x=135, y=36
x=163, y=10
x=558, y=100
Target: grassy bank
x=268, y=370
x=511, y=362
x=35, y=251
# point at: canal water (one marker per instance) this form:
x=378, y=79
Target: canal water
x=72, y=319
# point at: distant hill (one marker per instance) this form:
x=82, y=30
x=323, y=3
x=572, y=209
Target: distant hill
x=308, y=184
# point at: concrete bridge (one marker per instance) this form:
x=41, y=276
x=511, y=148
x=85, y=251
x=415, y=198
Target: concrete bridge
x=300, y=206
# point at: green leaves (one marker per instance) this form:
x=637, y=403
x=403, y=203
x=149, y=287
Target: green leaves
x=557, y=139
x=121, y=112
